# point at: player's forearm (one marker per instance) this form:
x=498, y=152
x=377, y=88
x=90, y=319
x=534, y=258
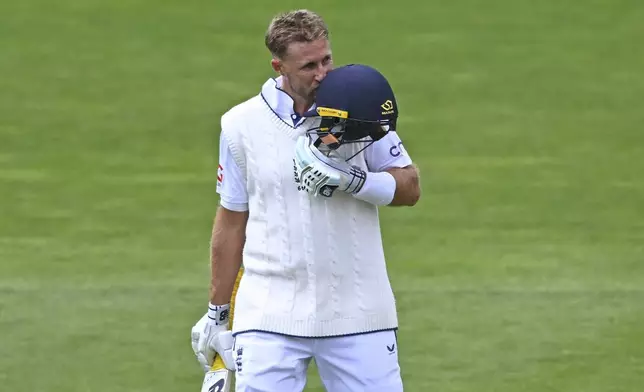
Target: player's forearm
x=407, y=186
x=228, y=237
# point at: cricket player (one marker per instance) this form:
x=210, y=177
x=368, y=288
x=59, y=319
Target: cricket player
x=304, y=166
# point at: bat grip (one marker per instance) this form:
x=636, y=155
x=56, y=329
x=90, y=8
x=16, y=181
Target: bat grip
x=218, y=363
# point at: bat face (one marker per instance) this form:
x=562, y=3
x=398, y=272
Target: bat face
x=217, y=381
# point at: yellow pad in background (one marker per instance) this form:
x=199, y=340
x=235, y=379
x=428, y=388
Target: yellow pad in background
x=218, y=363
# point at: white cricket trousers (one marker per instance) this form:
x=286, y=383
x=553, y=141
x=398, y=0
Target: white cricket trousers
x=268, y=362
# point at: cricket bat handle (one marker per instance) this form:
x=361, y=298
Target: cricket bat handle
x=218, y=364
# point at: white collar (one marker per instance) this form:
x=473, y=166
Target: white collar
x=280, y=102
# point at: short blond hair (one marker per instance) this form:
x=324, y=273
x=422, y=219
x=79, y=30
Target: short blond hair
x=294, y=26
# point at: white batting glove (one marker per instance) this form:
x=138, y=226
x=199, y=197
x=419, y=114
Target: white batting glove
x=319, y=174
x=210, y=336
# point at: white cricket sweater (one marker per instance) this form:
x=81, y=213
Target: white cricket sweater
x=313, y=266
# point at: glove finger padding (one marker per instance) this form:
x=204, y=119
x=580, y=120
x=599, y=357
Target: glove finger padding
x=303, y=162
x=194, y=341
x=303, y=155
x=203, y=362
x=311, y=179
x=205, y=354
x=222, y=344
x=197, y=331
x=319, y=174
x=307, y=162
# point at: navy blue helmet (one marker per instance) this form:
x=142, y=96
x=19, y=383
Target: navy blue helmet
x=356, y=104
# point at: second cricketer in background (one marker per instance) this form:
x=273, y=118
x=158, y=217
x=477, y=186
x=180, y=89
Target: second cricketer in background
x=299, y=207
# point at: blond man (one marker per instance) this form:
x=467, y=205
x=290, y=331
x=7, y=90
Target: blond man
x=300, y=189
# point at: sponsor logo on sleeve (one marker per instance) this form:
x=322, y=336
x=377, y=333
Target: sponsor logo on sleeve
x=396, y=150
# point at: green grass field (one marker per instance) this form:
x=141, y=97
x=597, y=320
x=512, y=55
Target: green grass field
x=521, y=269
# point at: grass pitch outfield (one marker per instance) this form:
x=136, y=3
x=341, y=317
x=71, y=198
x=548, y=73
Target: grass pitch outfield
x=522, y=268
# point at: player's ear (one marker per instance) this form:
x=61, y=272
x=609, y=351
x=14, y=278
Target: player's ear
x=277, y=65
